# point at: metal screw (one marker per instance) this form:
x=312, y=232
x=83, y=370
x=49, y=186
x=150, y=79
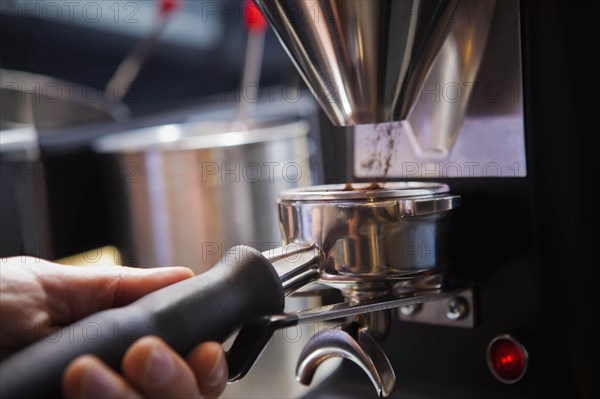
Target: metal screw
x=410, y=310
x=457, y=308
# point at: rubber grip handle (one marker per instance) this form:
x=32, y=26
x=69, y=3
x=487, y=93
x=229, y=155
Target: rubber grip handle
x=210, y=306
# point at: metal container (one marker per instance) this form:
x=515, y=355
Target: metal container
x=185, y=193
x=51, y=182
x=370, y=233
x=50, y=103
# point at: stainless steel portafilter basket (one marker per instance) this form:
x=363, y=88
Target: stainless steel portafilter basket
x=371, y=233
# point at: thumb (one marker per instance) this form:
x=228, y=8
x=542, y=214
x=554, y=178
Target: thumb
x=75, y=292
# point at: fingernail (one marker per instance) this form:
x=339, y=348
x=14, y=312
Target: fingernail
x=160, y=367
x=219, y=370
x=99, y=384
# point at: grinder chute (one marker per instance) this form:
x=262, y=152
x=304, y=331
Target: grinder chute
x=364, y=60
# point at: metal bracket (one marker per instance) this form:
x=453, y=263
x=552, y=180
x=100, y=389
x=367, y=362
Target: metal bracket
x=456, y=311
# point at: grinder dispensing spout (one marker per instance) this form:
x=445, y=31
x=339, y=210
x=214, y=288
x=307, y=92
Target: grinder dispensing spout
x=363, y=60
x=351, y=240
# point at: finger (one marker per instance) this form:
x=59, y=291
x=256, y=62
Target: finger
x=208, y=363
x=67, y=287
x=156, y=371
x=87, y=377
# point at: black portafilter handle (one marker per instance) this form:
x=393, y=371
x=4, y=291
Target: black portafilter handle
x=207, y=307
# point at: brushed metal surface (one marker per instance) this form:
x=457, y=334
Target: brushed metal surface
x=468, y=120
x=188, y=192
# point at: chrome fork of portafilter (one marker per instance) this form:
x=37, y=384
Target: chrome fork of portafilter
x=297, y=265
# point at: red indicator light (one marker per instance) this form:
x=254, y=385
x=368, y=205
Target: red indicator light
x=507, y=359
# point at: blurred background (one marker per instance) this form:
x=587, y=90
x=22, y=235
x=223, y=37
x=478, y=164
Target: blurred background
x=199, y=55
x=104, y=170
x=57, y=60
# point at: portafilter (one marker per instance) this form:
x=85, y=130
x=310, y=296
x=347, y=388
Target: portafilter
x=382, y=245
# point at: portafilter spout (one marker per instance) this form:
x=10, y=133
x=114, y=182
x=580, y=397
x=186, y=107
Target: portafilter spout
x=364, y=60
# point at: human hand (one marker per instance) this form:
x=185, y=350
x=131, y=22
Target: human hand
x=38, y=298
x=150, y=369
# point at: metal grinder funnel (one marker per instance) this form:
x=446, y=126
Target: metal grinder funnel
x=364, y=60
